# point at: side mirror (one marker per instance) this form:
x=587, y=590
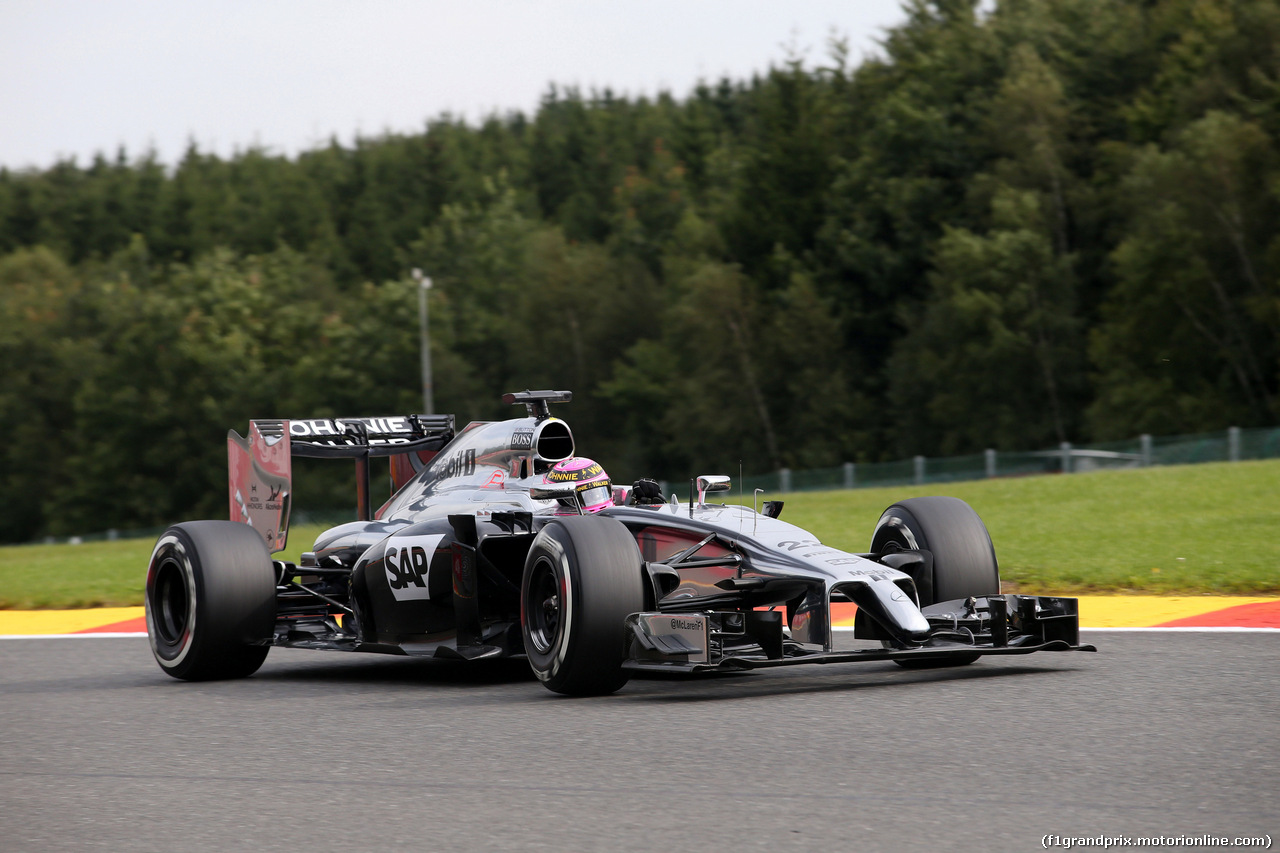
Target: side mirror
x=552, y=493
x=711, y=483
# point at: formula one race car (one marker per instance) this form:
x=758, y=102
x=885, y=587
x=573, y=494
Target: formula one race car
x=499, y=542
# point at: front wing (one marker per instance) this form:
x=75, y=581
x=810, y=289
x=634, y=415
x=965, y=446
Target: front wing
x=961, y=630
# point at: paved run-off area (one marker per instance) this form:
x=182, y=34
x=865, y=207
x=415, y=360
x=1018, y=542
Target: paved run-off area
x=1159, y=733
x=1096, y=611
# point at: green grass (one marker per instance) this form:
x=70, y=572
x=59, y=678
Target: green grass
x=1212, y=528
x=1190, y=529
x=98, y=574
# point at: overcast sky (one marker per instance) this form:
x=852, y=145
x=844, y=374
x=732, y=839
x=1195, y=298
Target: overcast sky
x=82, y=76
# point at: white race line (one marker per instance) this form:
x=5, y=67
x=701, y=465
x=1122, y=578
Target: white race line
x=1210, y=630
x=1220, y=630
x=108, y=635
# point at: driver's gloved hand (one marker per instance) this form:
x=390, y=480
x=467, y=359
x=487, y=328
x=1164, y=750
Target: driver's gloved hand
x=646, y=492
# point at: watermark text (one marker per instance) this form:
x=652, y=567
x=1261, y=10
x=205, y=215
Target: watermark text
x=1108, y=842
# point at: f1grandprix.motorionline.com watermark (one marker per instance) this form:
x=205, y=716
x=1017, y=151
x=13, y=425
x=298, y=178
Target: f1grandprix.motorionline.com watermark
x=1106, y=842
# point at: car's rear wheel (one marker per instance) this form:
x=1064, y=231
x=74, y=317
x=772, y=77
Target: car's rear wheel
x=964, y=560
x=210, y=600
x=582, y=578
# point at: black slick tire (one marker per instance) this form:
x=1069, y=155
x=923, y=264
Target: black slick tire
x=582, y=578
x=210, y=600
x=964, y=560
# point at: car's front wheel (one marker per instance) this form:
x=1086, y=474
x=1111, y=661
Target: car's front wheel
x=210, y=600
x=964, y=560
x=582, y=578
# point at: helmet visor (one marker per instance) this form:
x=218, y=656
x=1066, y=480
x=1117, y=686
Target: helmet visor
x=598, y=493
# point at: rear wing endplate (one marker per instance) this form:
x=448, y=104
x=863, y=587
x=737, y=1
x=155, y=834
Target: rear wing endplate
x=260, y=467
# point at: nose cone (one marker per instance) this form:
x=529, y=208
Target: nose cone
x=891, y=608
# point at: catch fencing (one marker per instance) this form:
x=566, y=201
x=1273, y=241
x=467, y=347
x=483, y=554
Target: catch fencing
x=1230, y=445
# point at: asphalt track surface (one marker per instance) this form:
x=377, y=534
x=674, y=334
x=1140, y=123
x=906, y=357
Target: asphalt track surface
x=1158, y=733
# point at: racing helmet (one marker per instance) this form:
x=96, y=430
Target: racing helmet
x=592, y=489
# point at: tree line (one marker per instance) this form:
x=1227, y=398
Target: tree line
x=1051, y=220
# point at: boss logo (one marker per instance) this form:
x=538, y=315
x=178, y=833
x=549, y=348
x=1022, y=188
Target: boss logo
x=522, y=439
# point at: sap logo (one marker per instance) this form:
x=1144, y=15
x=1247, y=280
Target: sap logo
x=407, y=562
x=407, y=567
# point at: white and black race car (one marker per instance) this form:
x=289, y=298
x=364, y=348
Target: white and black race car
x=480, y=554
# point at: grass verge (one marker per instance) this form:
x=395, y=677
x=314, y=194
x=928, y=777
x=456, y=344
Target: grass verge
x=98, y=574
x=1193, y=529
x=1196, y=529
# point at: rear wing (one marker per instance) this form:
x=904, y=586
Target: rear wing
x=260, y=466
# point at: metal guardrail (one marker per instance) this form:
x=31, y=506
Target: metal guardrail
x=1230, y=445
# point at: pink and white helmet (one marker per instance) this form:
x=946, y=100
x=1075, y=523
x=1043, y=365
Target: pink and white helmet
x=590, y=483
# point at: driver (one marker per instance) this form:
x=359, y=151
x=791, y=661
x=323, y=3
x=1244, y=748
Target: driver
x=592, y=488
